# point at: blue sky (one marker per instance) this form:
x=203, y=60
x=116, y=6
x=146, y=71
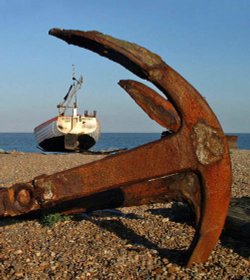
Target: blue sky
x=207, y=42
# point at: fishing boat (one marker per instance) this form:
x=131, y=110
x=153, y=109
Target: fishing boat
x=69, y=132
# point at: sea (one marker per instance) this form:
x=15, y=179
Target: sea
x=25, y=142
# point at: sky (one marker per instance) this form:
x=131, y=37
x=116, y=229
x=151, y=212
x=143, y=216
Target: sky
x=207, y=42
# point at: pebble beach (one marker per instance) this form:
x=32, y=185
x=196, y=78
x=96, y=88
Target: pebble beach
x=146, y=242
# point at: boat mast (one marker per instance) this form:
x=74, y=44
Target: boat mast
x=65, y=104
x=74, y=112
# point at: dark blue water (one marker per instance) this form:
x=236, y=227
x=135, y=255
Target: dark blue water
x=25, y=142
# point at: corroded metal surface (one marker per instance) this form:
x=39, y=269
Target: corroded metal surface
x=192, y=164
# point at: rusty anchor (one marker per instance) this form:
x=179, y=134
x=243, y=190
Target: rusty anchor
x=191, y=164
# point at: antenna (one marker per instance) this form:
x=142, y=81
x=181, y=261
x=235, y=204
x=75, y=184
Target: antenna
x=73, y=71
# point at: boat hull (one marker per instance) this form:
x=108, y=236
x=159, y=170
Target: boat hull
x=67, y=134
x=57, y=144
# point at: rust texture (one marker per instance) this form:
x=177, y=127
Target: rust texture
x=192, y=164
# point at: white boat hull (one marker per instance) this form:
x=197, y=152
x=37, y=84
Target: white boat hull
x=68, y=133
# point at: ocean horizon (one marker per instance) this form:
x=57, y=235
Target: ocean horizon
x=25, y=141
